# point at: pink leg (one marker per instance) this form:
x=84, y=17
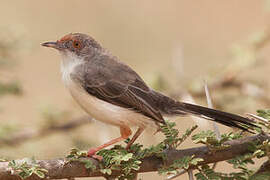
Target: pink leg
x=125, y=133
x=136, y=135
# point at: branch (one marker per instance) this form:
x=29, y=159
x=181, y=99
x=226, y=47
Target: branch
x=27, y=134
x=62, y=168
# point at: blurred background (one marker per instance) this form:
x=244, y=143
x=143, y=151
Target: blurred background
x=176, y=46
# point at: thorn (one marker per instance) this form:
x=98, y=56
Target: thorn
x=177, y=175
x=210, y=105
x=258, y=117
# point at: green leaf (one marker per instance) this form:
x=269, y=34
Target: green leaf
x=204, y=136
x=26, y=169
x=23, y=174
x=183, y=163
x=76, y=154
x=12, y=164
x=106, y=171
x=209, y=139
x=264, y=113
x=127, y=157
x=186, y=135
x=259, y=153
x=195, y=161
x=172, y=138
x=170, y=133
x=88, y=164
x=40, y=174
x=200, y=176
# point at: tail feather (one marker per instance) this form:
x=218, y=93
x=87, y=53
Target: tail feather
x=228, y=119
x=169, y=106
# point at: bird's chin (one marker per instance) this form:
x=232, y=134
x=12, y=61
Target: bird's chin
x=66, y=54
x=69, y=56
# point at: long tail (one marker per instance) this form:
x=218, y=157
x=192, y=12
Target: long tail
x=225, y=118
x=169, y=106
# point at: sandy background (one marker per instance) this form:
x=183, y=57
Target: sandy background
x=148, y=35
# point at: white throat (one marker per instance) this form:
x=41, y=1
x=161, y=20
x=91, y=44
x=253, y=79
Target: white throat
x=68, y=64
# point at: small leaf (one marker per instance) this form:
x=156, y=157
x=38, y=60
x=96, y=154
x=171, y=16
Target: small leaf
x=200, y=176
x=203, y=137
x=88, y=164
x=127, y=157
x=264, y=113
x=195, y=161
x=106, y=171
x=258, y=153
x=12, y=163
x=40, y=174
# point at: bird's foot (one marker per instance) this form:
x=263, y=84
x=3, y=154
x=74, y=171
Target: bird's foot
x=92, y=153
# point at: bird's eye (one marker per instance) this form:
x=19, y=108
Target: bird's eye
x=76, y=44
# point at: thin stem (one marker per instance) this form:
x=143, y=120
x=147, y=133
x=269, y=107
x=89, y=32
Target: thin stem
x=210, y=105
x=190, y=174
x=177, y=175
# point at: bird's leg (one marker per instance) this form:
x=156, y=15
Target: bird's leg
x=136, y=135
x=125, y=132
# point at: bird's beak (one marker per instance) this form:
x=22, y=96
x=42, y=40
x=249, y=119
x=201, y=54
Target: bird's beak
x=51, y=44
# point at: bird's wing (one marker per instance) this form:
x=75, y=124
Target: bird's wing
x=120, y=85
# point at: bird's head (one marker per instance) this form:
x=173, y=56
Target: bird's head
x=75, y=44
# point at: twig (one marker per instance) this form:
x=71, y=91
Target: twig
x=190, y=174
x=62, y=168
x=258, y=117
x=210, y=105
x=177, y=175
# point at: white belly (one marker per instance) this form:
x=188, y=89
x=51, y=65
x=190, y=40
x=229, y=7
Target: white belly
x=107, y=112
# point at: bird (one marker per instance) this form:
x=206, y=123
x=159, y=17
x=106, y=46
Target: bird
x=112, y=92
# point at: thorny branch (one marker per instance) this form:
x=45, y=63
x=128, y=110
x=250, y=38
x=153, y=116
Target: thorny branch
x=62, y=168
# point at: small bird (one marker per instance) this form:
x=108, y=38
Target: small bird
x=110, y=91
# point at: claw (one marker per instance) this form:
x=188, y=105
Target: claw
x=91, y=152
x=97, y=157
